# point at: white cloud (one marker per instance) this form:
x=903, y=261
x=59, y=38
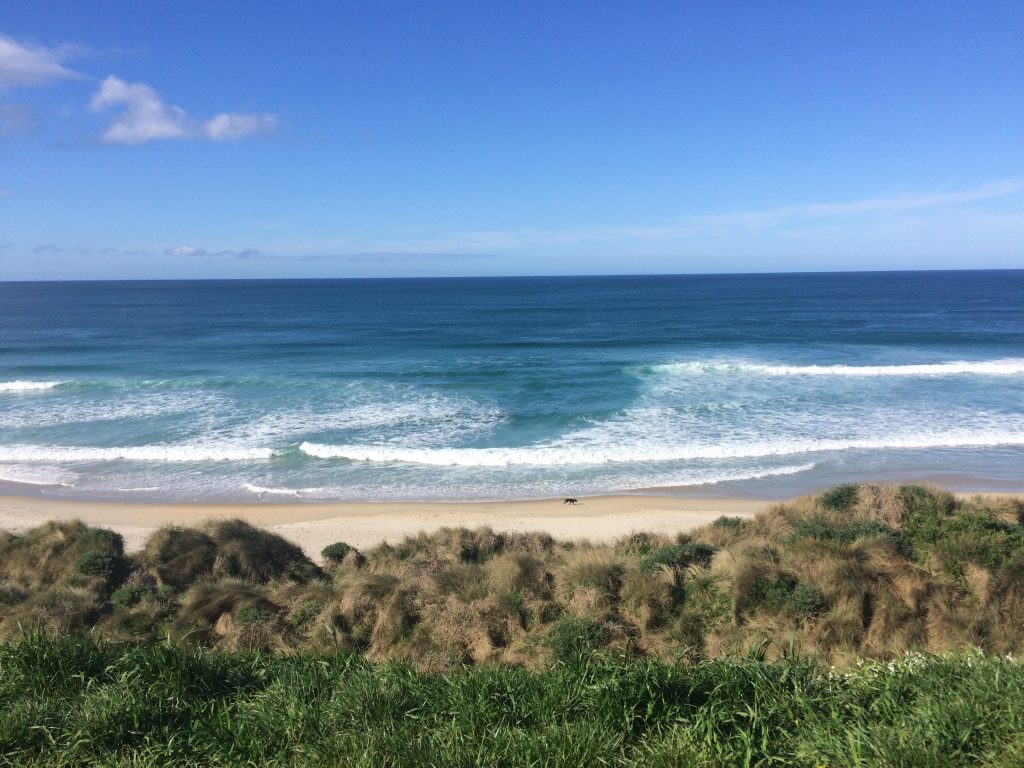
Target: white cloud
x=23, y=64
x=227, y=126
x=146, y=117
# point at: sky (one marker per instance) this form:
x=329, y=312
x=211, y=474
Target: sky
x=197, y=139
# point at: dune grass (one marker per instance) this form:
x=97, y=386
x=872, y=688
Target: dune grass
x=860, y=571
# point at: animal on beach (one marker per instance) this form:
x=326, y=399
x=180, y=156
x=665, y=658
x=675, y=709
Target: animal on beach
x=570, y=501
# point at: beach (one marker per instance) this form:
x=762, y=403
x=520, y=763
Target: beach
x=366, y=524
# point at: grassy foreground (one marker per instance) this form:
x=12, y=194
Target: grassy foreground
x=69, y=701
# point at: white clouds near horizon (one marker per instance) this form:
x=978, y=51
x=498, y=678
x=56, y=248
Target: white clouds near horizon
x=145, y=117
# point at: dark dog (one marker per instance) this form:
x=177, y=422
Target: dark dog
x=570, y=501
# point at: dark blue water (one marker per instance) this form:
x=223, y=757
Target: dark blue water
x=511, y=387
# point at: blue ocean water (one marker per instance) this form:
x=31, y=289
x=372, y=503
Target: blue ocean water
x=758, y=385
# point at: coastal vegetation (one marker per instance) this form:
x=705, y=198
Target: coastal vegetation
x=857, y=572
x=865, y=626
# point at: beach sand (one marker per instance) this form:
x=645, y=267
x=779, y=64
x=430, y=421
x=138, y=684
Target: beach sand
x=366, y=524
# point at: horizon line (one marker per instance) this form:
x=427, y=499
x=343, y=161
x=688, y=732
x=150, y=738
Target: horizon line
x=513, y=276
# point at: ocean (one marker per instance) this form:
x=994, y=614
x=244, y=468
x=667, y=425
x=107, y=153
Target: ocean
x=761, y=386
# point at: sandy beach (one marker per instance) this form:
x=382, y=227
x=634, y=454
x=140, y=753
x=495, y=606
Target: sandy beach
x=365, y=524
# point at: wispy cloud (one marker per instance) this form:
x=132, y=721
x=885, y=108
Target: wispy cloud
x=145, y=117
x=190, y=251
x=844, y=215
x=26, y=64
x=880, y=205
x=256, y=254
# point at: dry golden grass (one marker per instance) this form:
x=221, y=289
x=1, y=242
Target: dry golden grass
x=868, y=571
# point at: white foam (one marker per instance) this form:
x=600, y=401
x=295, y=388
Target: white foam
x=154, y=453
x=260, y=490
x=30, y=474
x=28, y=386
x=1005, y=367
x=589, y=454
x=47, y=413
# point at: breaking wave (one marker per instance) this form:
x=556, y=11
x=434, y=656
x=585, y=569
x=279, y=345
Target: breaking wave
x=1005, y=367
x=28, y=386
x=562, y=455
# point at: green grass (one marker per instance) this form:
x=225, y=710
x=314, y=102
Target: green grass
x=70, y=702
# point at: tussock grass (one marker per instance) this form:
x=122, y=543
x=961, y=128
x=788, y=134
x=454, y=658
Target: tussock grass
x=860, y=571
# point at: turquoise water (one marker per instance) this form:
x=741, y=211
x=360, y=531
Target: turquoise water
x=511, y=387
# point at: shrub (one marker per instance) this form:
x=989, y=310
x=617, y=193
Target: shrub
x=840, y=498
x=110, y=568
x=335, y=552
x=729, y=522
x=129, y=595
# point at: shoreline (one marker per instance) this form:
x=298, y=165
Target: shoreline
x=367, y=524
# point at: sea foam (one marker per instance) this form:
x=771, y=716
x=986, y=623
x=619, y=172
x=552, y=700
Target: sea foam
x=1011, y=366
x=154, y=453
x=29, y=474
x=28, y=386
x=562, y=455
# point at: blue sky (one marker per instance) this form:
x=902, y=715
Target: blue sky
x=257, y=139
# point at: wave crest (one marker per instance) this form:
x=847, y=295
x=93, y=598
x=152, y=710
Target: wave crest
x=1010, y=366
x=28, y=386
x=567, y=455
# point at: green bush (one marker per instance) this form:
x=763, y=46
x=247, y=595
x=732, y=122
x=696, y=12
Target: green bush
x=127, y=596
x=111, y=568
x=335, y=552
x=729, y=522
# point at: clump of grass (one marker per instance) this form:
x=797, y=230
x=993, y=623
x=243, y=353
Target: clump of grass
x=679, y=556
x=574, y=641
x=62, y=554
x=841, y=498
x=179, y=556
x=247, y=552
